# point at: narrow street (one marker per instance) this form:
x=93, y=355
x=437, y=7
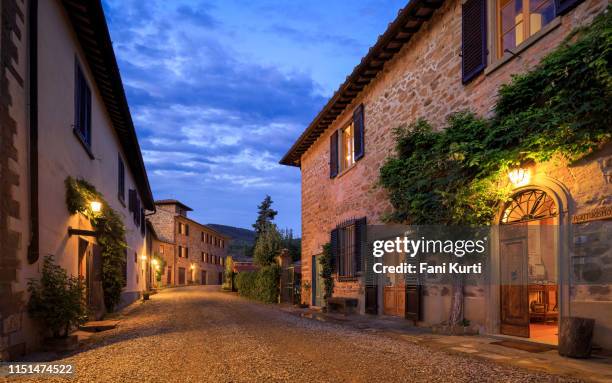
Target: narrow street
x=202, y=335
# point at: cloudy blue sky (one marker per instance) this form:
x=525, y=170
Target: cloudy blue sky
x=219, y=90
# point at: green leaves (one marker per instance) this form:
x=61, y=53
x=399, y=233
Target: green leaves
x=111, y=235
x=560, y=108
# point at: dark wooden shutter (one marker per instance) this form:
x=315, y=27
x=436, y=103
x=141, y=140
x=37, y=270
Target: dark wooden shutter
x=132, y=200
x=187, y=230
x=413, y=302
x=333, y=155
x=358, y=126
x=334, y=249
x=564, y=6
x=473, y=38
x=360, y=240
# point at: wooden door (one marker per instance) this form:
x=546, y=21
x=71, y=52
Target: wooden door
x=514, y=286
x=181, y=275
x=394, y=300
x=204, y=277
x=318, y=289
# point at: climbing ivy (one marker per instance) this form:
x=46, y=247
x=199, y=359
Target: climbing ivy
x=327, y=271
x=110, y=235
x=454, y=175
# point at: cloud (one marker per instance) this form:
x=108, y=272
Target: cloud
x=220, y=90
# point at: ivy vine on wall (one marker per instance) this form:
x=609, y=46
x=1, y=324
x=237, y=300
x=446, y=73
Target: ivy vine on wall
x=560, y=108
x=110, y=235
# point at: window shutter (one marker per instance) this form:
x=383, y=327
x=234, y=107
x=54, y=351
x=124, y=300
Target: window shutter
x=358, y=126
x=473, y=38
x=334, y=250
x=564, y=6
x=333, y=155
x=187, y=230
x=132, y=200
x=360, y=240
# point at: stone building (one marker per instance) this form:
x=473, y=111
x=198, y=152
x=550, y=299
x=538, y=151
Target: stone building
x=64, y=114
x=194, y=253
x=418, y=69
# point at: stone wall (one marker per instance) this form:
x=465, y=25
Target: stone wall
x=13, y=178
x=424, y=81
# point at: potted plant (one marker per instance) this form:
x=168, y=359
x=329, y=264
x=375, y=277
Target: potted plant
x=57, y=300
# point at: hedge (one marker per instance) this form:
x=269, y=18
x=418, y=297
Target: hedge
x=261, y=285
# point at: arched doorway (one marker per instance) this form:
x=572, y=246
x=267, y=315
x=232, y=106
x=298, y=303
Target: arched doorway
x=529, y=293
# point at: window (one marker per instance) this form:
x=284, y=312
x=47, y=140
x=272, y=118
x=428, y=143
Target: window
x=518, y=20
x=161, y=249
x=346, y=144
x=347, y=242
x=121, y=180
x=202, y=257
x=82, y=106
x=202, y=234
x=183, y=252
x=135, y=257
x=183, y=229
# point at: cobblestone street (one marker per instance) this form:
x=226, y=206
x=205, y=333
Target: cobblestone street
x=199, y=334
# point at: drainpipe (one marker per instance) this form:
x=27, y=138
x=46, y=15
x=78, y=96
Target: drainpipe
x=33, y=248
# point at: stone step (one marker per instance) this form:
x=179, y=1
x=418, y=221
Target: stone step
x=97, y=326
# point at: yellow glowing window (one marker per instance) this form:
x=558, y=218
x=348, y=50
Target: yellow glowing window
x=517, y=20
x=347, y=151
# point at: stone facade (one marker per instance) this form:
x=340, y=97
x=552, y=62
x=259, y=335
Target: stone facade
x=424, y=81
x=58, y=155
x=206, y=248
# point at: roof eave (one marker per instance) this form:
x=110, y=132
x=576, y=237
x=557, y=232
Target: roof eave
x=398, y=33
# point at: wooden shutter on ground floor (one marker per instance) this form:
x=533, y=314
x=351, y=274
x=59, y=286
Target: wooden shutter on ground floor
x=564, y=6
x=413, y=302
x=360, y=242
x=334, y=249
x=473, y=38
x=358, y=126
x=333, y=155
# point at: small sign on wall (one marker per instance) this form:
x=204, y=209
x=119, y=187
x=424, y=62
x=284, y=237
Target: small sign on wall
x=600, y=213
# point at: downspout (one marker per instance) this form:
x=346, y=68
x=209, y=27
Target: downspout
x=33, y=248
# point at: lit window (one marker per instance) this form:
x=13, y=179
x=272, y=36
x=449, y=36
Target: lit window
x=520, y=19
x=346, y=150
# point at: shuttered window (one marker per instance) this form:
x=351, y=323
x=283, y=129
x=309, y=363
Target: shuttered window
x=473, y=38
x=358, y=127
x=333, y=155
x=564, y=6
x=82, y=106
x=347, y=242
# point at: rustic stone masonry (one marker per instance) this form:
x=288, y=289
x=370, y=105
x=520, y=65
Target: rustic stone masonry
x=11, y=241
x=424, y=81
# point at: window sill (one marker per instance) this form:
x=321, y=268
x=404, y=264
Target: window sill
x=343, y=172
x=498, y=63
x=83, y=143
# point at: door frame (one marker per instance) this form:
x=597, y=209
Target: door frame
x=561, y=196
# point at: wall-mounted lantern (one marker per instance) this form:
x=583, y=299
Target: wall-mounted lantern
x=95, y=206
x=519, y=176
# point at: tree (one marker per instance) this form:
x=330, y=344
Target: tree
x=294, y=245
x=265, y=216
x=268, y=245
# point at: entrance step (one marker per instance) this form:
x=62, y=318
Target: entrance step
x=97, y=326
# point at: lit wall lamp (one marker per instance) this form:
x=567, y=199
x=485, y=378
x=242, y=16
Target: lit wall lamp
x=143, y=257
x=154, y=262
x=519, y=176
x=95, y=206
x=192, y=267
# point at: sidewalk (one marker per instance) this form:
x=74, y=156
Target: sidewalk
x=596, y=369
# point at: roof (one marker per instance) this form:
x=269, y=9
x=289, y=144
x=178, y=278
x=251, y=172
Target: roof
x=173, y=202
x=205, y=226
x=89, y=23
x=399, y=32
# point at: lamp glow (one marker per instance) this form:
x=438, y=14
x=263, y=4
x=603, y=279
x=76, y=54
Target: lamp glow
x=143, y=257
x=154, y=262
x=96, y=206
x=192, y=267
x=519, y=176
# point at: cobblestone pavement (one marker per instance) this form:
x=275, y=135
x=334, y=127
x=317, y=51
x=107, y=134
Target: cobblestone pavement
x=194, y=334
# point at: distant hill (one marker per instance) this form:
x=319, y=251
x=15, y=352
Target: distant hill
x=242, y=240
